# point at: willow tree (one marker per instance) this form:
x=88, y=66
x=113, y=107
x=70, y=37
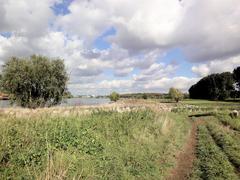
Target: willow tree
x=175, y=94
x=34, y=82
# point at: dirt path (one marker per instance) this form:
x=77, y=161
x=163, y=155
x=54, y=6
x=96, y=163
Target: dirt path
x=186, y=157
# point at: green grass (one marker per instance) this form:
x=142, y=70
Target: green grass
x=212, y=105
x=101, y=145
x=228, y=121
x=228, y=144
x=211, y=162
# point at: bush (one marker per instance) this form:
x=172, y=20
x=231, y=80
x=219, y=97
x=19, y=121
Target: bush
x=175, y=94
x=114, y=96
x=144, y=96
x=34, y=82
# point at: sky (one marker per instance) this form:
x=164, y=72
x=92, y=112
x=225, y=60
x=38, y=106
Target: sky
x=125, y=46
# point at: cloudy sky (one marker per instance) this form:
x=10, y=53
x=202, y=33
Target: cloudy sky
x=125, y=45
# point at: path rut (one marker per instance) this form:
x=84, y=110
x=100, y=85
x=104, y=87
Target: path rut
x=186, y=156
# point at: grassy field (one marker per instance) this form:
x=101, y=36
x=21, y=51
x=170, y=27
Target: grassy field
x=100, y=145
x=218, y=148
x=119, y=142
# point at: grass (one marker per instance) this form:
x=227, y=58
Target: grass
x=213, y=105
x=229, y=145
x=99, y=145
x=211, y=162
x=227, y=121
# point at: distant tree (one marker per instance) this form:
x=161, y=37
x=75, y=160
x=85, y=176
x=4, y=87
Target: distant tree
x=236, y=76
x=34, y=82
x=67, y=94
x=213, y=87
x=175, y=94
x=144, y=96
x=114, y=96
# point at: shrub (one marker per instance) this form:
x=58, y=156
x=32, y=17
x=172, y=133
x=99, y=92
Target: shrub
x=35, y=81
x=144, y=96
x=175, y=94
x=114, y=96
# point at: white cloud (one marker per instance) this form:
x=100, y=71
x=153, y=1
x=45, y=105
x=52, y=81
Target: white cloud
x=26, y=17
x=85, y=20
x=156, y=71
x=207, y=31
x=163, y=85
x=217, y=66
x=210, y=29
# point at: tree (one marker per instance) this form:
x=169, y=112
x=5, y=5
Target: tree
x=34, y=82
x=114, y=96
x=144, y=96
x=213, y=87
x=175, y=94
x=236, y=76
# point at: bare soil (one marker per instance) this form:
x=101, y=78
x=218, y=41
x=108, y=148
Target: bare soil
x=186, y=156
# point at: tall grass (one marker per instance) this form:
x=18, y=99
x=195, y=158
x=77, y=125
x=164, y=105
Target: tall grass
x=100, y=145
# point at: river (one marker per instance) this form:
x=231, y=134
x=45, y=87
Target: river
x=68, y=102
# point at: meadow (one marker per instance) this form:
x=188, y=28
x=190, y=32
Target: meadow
x=97, y=145
x=140, y=142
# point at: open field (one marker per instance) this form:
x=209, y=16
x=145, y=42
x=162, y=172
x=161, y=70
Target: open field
x=130, y=139
x=100, y=144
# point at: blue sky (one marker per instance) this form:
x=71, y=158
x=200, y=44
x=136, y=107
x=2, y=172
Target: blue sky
x=125, y=46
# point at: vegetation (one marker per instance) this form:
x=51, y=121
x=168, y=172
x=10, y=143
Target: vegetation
x=236, y=76
x=212, y=162
x=34, y=82
x=100, y=145
x=229, y=145
x=175, y=94
x=144, y=96
x=214, y=87
x=226, y=120
x=114, y=96
x=140, y=95
x=67, y=94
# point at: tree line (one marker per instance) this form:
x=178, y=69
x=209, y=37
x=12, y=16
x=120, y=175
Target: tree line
x=219, y=86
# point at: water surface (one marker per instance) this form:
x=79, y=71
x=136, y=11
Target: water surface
x=68, y=102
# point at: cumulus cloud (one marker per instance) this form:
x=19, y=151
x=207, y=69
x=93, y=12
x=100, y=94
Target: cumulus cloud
x=210, y=29
x=156, y=71
x=217, y=66
x=26, y=17
x=206, y=31
x=163, y=84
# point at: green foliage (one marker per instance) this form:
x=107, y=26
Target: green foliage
x=67, y=94
x=236, y=76
x=229, y=145
x=144, y=96
x=212, y=163
x=214, y=87
x=175, y=94
x=36, y=81
x=114, y=96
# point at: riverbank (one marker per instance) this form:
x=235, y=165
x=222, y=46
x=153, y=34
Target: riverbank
x=124, y=105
